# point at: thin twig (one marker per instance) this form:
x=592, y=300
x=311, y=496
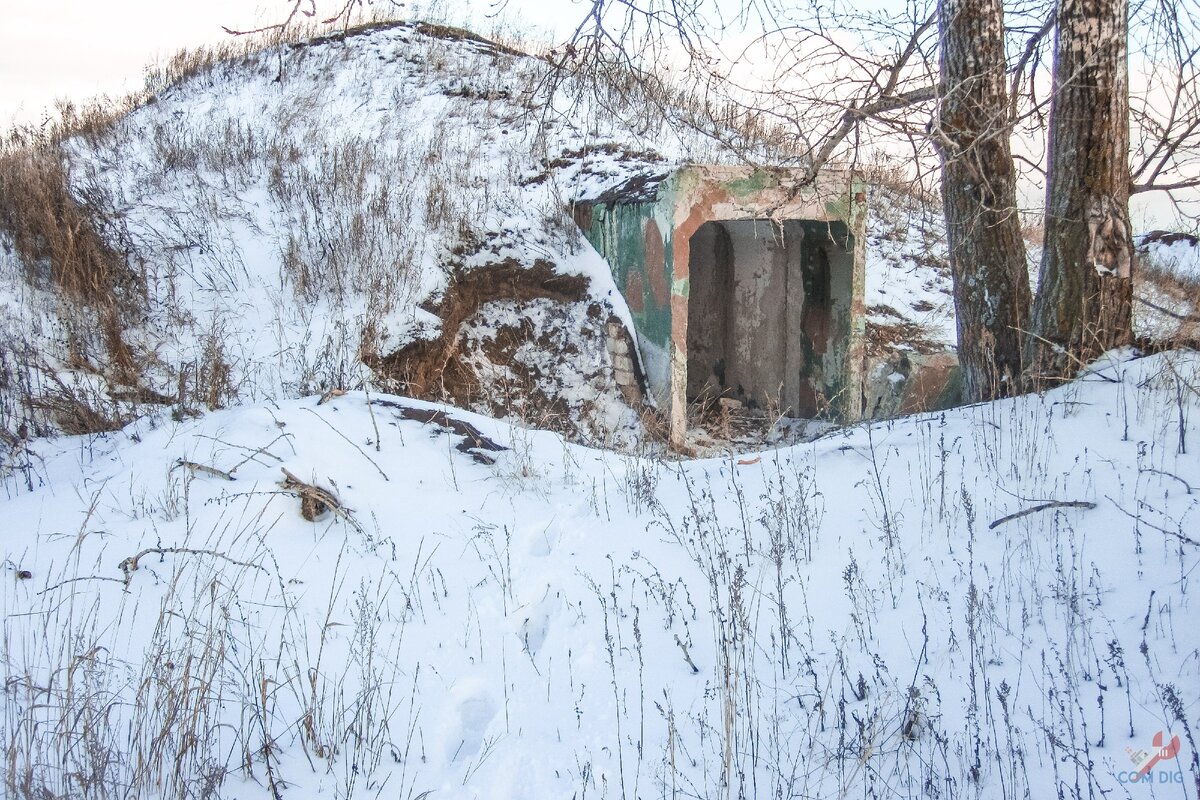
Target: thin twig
x=686, y=656
x=1190, y=488
x=253, y=451
x=1043, y=507
x=374, y=424
x=1167, y=311
x=356, y=447
x=84, y=578
x=1084, y=368
x=194, y=467
x=130, y=565
x=1143, y=521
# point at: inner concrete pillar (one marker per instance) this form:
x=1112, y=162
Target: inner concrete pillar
x=710, y=310
x=763, y=326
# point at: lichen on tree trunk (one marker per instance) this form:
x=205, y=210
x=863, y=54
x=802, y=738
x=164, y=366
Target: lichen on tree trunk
x=987, y=253
x=1083, y=305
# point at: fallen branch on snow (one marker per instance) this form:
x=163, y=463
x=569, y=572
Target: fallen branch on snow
x=194, y=467
x=1042, y=507
x=315, y=501
x=130, y=565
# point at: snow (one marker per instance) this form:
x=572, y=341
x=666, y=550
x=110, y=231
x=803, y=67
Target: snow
x=992, y=601
x=1180, y=256
x=862, y=618
x=285, y=208
x=907, y=268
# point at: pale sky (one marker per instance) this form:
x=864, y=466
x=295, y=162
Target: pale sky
x=77, y=49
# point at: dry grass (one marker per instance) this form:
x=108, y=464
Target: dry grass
x=1177, y=293
x=56, y=237
x=352, y=232
x=62, y=241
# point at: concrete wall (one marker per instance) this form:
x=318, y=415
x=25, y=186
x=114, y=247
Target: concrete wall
x=648, y=245
x=629, y=236
x=769, y=314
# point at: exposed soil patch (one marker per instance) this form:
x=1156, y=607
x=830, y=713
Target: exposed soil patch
x=597, y=162
x=430, y=29
x=433, y=368
x=1168, y=238
x=472, y=442
x=885, y=338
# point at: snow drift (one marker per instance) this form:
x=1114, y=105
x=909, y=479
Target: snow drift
x=989, y=602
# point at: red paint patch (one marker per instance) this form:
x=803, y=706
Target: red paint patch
x=635, y=293
x=656, y=263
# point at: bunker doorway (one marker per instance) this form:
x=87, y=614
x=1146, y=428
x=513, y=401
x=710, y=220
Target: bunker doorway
x=764, y=311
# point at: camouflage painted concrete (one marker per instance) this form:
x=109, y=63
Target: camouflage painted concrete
x=648, y=246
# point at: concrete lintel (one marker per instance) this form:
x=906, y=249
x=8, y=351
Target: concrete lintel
x=738, y=192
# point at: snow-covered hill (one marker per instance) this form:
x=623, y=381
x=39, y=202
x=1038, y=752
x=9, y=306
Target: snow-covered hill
x=989, y=602
x=285, y=219
x=368, y=595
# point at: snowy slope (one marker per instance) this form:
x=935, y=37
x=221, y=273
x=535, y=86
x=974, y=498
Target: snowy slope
x=908, y=282
x=862, y=616
x=1176, y=253
x=909, y=289
x=1170, y=266
x=296, y=212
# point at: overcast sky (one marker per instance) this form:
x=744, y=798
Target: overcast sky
x=77, y=49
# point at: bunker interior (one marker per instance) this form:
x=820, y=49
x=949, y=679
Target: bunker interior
x=743, y=284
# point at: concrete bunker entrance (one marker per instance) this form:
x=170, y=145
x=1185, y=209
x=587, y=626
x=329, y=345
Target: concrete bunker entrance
x=765, y=321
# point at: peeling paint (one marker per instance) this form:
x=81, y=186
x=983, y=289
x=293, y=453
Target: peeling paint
x=648, y=246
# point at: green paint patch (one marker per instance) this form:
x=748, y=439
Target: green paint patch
x=755, y=182
x=838, y=209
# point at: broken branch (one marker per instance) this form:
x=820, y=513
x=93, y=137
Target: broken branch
x=194, y=467
x=1042, y=507
x=315, y=501
x=130, y=565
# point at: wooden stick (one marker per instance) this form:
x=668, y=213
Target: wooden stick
x=194, y=467
x=1043, y=507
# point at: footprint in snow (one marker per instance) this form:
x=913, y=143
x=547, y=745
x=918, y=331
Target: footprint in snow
x=541, y=538
x=536, y=625
x=474, y=711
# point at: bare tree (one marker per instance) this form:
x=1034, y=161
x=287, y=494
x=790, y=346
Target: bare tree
x=824, y=86
x=1083, y=304
x=1165, y=103
x=979, y=196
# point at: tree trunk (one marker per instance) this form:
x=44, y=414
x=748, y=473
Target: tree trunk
x=987, y=253
x=1083, y=304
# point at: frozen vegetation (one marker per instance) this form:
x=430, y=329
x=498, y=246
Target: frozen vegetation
x=274, y=578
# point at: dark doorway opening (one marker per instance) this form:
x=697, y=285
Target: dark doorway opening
x=763, y=312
